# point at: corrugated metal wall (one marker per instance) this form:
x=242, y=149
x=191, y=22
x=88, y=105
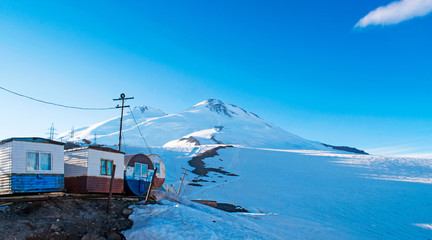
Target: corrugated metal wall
x=83, y=171
x=94, y=165
x=23, y=183
x=5, y=168
x=76, y=163
x=101, y=185
x=19, y=156
x=14, y=176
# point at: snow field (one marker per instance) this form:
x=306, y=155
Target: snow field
x=303, y=195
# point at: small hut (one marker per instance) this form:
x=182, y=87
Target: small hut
x=160, y=170
x=139, y=172
x=88, y=170
x=31, y=165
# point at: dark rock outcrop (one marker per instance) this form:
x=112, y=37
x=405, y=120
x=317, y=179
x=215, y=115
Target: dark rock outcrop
x=346, y=149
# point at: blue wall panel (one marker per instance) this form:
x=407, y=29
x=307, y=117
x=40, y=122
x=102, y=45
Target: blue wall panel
x=136, y=187
x=23, y=183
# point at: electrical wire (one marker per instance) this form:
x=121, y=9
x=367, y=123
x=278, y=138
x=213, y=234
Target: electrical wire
x=142, y=136
x=52, y=103
x=136, y=123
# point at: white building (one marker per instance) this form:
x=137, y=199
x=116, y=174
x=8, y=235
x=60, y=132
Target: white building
x=31, y=165
x=88, y=170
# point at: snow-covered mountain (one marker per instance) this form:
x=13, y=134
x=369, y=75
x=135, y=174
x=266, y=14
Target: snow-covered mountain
x=293, y=188
x=208, y=122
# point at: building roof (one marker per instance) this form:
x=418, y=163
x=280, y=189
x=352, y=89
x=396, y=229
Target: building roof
x=31, y=139
x=105, y=149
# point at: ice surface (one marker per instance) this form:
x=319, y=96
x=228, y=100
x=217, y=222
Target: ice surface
x=299, y=194
x=172, y=220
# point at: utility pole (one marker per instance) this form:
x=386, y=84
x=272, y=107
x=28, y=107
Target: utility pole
x=122, y=98
x=51, y=132
x=181, y=183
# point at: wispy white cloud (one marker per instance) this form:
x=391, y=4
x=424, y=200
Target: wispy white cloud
x=396, y=12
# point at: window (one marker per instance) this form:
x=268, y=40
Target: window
x=144, y=169
x=45, y=161
x=38, y=161
x=141, y=170
x=106, y=167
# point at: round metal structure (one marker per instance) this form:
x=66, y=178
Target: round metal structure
x=161, y=171
x=139, y=170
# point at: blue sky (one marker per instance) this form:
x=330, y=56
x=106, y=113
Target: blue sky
x=302, y=65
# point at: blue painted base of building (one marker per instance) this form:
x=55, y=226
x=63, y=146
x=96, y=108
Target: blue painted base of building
x=33, y=183
x=136, y=187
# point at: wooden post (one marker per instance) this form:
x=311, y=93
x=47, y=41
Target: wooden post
x=110, y=188
x=181, y=183
x=149, y=189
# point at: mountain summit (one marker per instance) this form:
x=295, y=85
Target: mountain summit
x=208, y=122
x=221, y=108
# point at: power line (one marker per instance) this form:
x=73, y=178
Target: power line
x=52, y=103
x=136, y=123
x=142, y=136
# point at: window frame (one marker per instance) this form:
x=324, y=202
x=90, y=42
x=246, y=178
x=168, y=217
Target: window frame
x=106, y=167
x=140, y=165
x=38, y=165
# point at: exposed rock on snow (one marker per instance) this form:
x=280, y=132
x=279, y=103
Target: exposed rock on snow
x=200, y=168
x=347, y=149
x=191, y=140
x=218, y=106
